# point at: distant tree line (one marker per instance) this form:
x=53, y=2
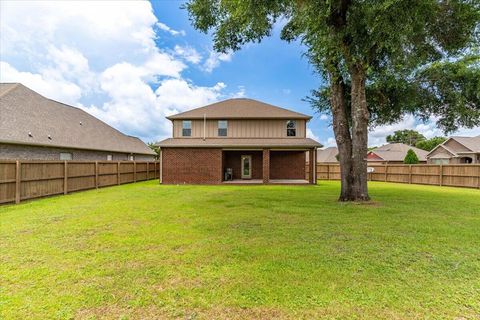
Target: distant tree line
x=415, y=139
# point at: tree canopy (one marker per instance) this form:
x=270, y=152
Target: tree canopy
x=380, y=60
x=410, y=137
x=430, y=144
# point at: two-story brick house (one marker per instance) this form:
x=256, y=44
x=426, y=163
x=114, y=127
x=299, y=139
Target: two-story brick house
x=256, y=142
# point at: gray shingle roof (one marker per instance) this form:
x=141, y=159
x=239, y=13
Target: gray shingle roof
x=240, y=108
x=24, y=111
x=472, y=143
x=397, y=152
x=239, y=142
x=327, y=155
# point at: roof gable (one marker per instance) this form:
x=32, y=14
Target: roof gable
x=398, y=151
x=240, y=108
x=471, y=144
x=327, y=155
x=30, y=118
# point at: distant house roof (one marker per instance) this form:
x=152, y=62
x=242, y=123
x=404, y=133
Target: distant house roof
x=470, y=143
x=239, y=143
x=31, y=119
x=397, y=152
x=327, y=155
x=240, y=108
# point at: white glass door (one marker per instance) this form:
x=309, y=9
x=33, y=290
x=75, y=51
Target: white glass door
x=246, y=167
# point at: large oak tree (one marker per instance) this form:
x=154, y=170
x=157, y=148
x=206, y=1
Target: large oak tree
x=381, y=59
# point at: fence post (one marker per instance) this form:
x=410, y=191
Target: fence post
x=148, y=171
x=134, y=171
x=118, y=173
x=410, y=174
x=96, y=174
x=440, y=179
x=65, y=177
x=478, y=181
x=386, y=169
x=17, y=181
x=328, y=172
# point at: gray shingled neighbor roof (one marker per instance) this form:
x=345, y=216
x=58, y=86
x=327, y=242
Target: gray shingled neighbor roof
x=472, y=143
x=240, y=108
x=397, y=152
x=239, y=142
x=29, y=118
x=327, y=155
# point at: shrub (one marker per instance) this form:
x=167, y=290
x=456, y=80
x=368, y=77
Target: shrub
x=411, y=157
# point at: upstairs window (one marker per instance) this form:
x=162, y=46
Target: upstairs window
x=222, y=128
x=186, y=128
x=291, y=128
x=109, y=157
x=131, y=157
x=65, y=156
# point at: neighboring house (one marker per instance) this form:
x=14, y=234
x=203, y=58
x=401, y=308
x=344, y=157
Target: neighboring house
x=456, y=150
x=256, y=141
x=394, y=153
x=33, y=127
x=327, y=155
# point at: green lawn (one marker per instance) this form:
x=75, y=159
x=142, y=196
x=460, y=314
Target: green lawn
x=242, y=252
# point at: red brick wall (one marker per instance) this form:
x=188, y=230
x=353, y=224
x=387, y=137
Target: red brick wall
x=233, y=160
x=191, y=166
x=287, y=165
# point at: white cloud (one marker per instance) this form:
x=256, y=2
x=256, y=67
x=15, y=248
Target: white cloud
x=188, y=53
x=103, y=58
x=241, y=92
x=215, y=58
x=323, y=117
x=331, y=142
x=164, y=27
x=65, y=91
x=378, y=135
x=312, y=135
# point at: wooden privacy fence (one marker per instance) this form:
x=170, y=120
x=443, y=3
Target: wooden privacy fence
x=22, y=180
x=454, y=175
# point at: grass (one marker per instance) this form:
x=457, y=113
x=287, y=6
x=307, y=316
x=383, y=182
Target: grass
x=238, y=252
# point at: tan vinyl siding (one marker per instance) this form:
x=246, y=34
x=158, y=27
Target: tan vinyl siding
x=243, y=128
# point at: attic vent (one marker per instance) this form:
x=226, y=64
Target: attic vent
x=49, y=137
x=30, y=134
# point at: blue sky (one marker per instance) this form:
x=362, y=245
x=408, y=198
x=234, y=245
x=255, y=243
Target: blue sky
x=131, y=63
x=273, y=71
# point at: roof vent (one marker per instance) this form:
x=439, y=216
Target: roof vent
x=30, y=134
x=81, y=123
x=49, y=137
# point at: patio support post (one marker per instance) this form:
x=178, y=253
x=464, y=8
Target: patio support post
x=311, y=158
x=266, y=165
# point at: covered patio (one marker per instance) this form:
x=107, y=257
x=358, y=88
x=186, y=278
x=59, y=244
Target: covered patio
x=268, y=166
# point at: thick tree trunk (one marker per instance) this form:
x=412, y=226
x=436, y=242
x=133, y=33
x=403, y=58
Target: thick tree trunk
x=360, y=118
x=341, y=128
